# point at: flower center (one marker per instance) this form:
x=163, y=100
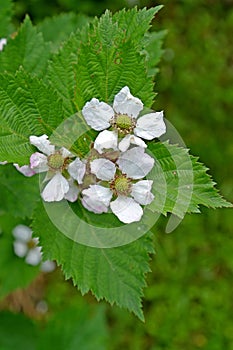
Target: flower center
x=55, y=161
x=121, y=185
x=31, y=244
x=123, y=123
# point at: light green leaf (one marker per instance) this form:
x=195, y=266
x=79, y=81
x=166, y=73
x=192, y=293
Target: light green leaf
x=103, y=58
x=114, y=274
x=27, y=49
x=19, y=194
x=181, y=183
x=28, y=107
x=5, y=18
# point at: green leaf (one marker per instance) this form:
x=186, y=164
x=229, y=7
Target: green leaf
x=181, y=183
x=58, y=28
x=5, y=18
x=25, y=333
x=28, y=107
x=27, y=49
x=77, y=326
x=14, y=272
x=153, y=50
x=19, y=194
x=114, y=274
x=103, y=58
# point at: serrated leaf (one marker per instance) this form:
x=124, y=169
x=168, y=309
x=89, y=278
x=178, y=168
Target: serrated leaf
x=5, y=18
x=19, y=194
x=181, y=183
x=58, y=28
x=27, y=49
x=28, y=107
x=114, y=274
x=100, y=60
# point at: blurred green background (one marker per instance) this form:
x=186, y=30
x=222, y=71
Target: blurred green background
x=189, y=299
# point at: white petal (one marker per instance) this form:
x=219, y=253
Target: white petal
x=106, y=140
x=125, y=103
x=126, y=209
x=104, y=169
x=77, y=169
x=65, y=153
x=34, y=256
x=26, y=170
x=3, y=163
x=128, y=139
x=3, y=42
x=135, y=163
x=20, y=249
x=141, y=192
x=96, y=199
x=39, y=162
x=72, y=194
x=48, y=266
x=43, y=144
x=150, y=126
x=56, y=189
x=22, y=233
x=97, y=114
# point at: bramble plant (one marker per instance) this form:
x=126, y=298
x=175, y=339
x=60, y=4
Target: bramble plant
x=94, y=165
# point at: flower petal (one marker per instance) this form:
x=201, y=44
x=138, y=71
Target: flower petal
x=126, y=209
x=141, y=192
x=65, y=153
x=97, y=114
x=26, y=170
x=3, y=42
x=3, y=163
x=150, y=126
x=22, y=233
x=135, y=163
x=48, y=266
x=103, y=168
x=56, y=189
x=39, y=162
x=77, y=169
x=96, y=199
x=125, y=103
x=128, y=139
x=72, y=194
x=20, y=249
x=34, y=256
x=106, y=140
x=43, y=144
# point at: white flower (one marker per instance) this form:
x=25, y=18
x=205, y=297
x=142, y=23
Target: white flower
x=123, y=118
x=25, y=246
x=3, y=42
x=3, y=163
x=128, y=195
x=55, y=162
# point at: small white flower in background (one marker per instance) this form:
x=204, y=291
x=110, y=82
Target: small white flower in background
x=25, y=246
x=54, y=162
x=123, y=118
x=3, y=42
x=129, y=194
x=3, y=163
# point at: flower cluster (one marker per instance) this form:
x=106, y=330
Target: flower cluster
x=112, y=176
x=25, y=246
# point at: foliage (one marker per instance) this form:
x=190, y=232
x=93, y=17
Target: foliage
x=96, y=61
